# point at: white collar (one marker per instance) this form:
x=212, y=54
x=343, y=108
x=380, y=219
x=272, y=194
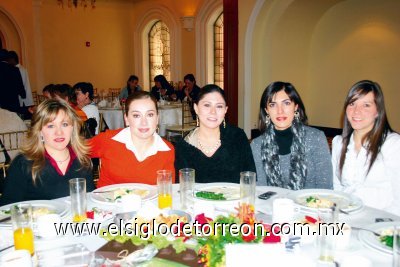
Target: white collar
x=124, y=136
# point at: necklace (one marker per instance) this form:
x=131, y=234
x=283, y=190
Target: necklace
x=211, y=149
x=62, y=161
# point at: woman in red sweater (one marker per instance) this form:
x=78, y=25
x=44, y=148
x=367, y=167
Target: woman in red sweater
x=135, y=153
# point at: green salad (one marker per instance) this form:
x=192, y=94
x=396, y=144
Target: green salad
x=210, y=195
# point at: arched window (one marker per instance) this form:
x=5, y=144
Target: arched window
x=219, y=51
x=159, y=51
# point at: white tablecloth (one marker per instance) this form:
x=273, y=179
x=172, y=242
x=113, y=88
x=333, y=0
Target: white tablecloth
x=168, y=115
x=362, y=218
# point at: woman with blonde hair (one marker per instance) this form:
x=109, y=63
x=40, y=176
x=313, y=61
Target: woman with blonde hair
x=53, y=153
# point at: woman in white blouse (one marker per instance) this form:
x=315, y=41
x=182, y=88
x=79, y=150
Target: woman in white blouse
x=365, y=157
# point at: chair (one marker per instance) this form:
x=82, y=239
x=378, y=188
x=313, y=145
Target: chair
x=11, y=142
x=114, y=92
x=35, y=98
x=187, y=125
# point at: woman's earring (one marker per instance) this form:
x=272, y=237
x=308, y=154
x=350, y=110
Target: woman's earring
x=42, y=138
x=197, y=121
x=296, y=115
x=267, y=119
x=224, y=123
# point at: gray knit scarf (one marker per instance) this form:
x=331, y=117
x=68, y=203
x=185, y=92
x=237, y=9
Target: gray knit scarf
x=270, y=158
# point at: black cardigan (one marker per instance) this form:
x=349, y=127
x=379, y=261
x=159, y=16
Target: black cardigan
x=19, y=185
x=232, y=157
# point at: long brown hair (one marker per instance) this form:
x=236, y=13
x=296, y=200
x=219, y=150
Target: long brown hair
x=34, y=149
x=375, y=138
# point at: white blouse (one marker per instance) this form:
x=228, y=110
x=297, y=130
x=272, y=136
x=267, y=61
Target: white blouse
x=380, y=188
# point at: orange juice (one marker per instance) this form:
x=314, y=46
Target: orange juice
x=79, y=218
x=23, y=239
x=165, y=201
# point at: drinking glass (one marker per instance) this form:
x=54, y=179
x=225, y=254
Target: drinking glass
x=247, y=194
x=77, y=191
x=164, y=185
x=21, y=216
x=326, y=239
x=396, y=246
x=186, y=187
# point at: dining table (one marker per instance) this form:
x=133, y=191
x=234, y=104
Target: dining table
x=89, y=244
x=170, y=113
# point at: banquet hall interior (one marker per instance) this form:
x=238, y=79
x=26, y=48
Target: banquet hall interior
x=322, y=47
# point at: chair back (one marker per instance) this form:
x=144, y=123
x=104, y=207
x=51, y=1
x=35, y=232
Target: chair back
x=187, y=117
x=11, y=142
x=114, y=92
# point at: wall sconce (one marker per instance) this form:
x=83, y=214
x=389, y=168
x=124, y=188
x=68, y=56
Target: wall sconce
x=188, y=23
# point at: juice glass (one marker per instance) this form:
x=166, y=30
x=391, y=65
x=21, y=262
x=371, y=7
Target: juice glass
x=164, y=185
x=247, y=195
x=21, y=215
x=77, y=192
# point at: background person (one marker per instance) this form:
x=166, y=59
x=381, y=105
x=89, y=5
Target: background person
x=135, y=153
x=365, y=157
x=162, y=89
x=84, y=97
x=131, y=87
x=216, y=150
x=288, y=153
x=53, y=154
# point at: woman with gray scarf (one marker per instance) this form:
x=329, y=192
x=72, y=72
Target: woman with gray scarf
x=289, y=154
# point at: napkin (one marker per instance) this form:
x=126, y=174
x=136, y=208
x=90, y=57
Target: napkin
x=102, y=103
x=115, y=104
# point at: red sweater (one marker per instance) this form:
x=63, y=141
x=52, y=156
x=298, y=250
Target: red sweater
x=119, y=165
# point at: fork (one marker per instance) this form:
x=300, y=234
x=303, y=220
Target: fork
x=364, y=229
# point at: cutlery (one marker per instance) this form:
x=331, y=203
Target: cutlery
x=344, y=212
x=6, y=248
x=7, y=218
x=105, y=191
x=364, y=229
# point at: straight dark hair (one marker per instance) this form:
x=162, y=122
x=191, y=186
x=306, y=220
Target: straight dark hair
x=139, y=95
x=375, y=138
x=210, y=88
x=269, y=93
x=131, y=79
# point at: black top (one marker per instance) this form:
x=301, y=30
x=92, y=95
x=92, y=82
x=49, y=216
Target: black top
x=232, y=157
x=19, y=184
x=284, y=138
x=11, y=87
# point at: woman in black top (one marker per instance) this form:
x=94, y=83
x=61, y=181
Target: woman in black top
x=217, y=151
x=162, y=89
x=53, y=153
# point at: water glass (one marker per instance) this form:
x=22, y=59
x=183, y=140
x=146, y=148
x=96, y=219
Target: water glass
x=396, y=246
x=186, y=188
x=77, y=192
x=247, y=194
x=326, y=239
x=21, y=216
x=164, y=185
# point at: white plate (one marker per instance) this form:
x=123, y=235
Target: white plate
x=348, y=203
x=371, y=240
x=231, y=191
x=108, y=197
x=54, y=206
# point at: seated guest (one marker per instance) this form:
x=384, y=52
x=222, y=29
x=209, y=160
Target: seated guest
x=48, y=91
x=162, y=89
x=190, y=90
x=217, y=151
x=131, y=87
x=288, y=153
x=364, y=158
x=65, y=92
x=84, y=98
x=53, y=154
x=133, y=154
